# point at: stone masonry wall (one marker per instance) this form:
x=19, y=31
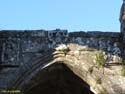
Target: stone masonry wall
x=21, y=46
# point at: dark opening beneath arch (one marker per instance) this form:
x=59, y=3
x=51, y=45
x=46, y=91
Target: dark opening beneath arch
x=57, y=79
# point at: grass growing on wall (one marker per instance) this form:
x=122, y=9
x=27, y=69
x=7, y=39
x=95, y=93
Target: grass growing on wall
x=123, y=70
x=65, y=51
x=100, y=61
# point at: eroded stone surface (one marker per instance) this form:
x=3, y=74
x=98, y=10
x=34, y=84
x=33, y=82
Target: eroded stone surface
x=31, y=51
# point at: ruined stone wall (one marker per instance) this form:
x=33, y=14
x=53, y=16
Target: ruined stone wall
x=21, y=46
x=107, y=42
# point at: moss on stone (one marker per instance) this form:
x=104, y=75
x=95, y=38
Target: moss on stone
x=123, y=70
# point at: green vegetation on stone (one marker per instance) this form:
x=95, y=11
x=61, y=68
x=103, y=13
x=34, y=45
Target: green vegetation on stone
x=123, y=70
x=100, y=61
x=65, y=51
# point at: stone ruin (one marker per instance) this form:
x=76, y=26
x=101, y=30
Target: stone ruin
x=20, y=49
x=15, y=44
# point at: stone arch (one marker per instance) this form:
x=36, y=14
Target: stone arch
x=72, y=62
x=62, y=66
x=56, y=79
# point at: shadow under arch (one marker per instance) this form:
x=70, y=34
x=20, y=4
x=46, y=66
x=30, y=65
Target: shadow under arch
x=56, y=79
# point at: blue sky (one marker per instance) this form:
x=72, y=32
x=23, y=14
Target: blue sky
x=74, y=15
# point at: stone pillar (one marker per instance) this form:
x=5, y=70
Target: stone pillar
x=122, y=21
